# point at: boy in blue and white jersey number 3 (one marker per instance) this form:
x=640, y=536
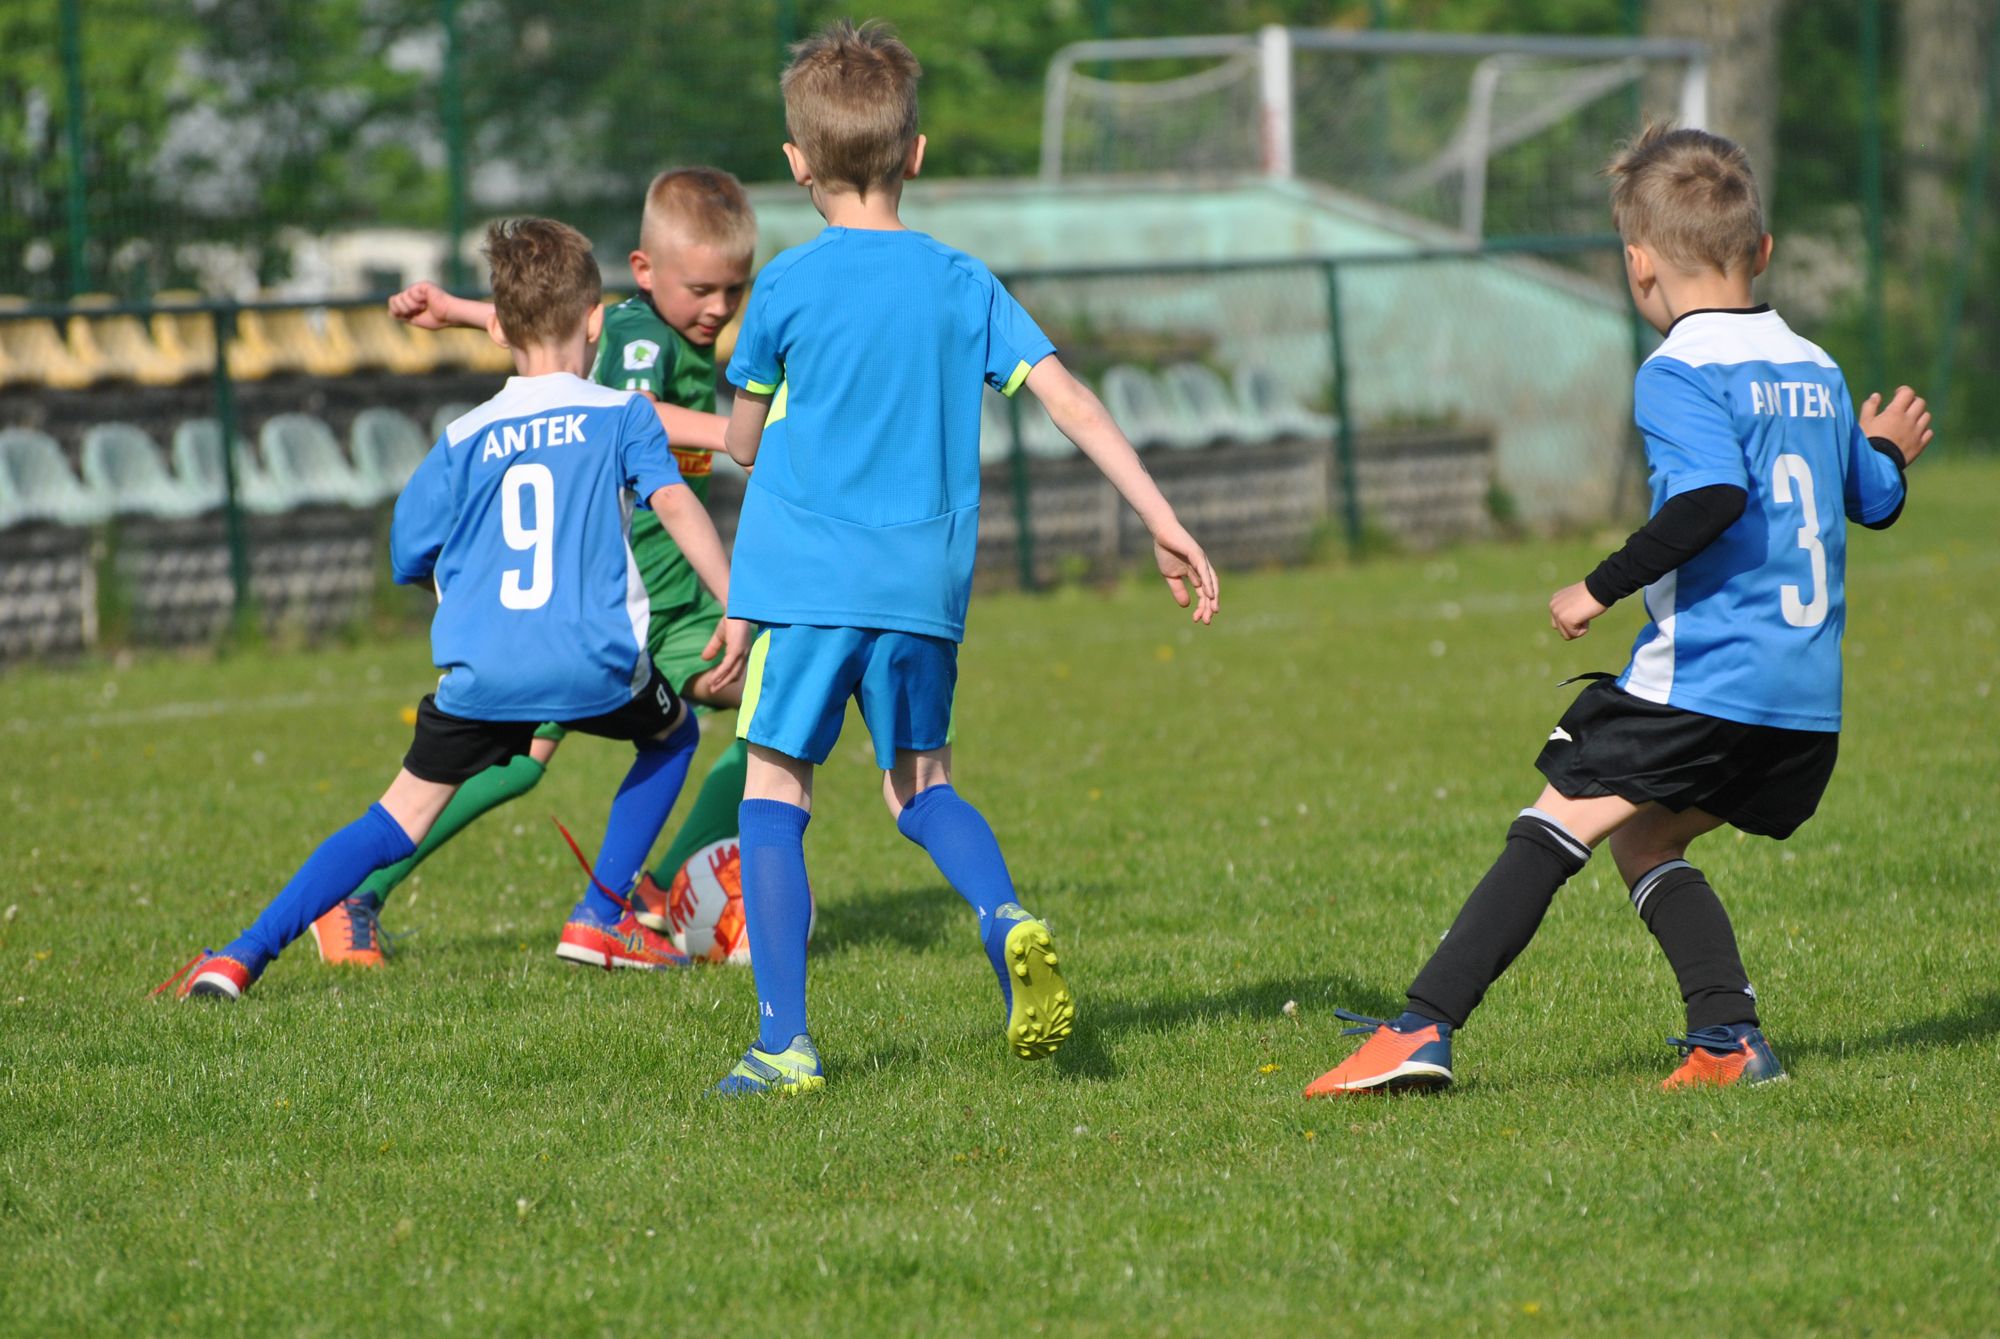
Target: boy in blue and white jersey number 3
x=863, y=359
x=1729, y=711
x=520, y=516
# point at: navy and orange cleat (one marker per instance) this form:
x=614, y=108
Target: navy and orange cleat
x=1722, y=1055
x=653, y=905
x=1411, y=1052
x=351, y=933
x=210, y=975
x=625, y=943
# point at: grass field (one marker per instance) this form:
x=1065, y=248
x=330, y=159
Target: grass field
x=1286, y=807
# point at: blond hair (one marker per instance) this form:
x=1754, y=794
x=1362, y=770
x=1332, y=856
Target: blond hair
x=851, y=104
x=545, y=279
x=1689, y=195
x=702, y=205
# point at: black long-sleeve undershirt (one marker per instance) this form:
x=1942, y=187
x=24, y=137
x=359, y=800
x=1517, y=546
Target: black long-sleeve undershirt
x=1685, y=525
x=1688, y=523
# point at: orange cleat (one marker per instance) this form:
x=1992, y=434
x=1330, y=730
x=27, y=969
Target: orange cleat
x=1412, y=1052
x=625, y=944
x=1720, y=1056
x=653, y=905
x=351, y=933
x=210, y=975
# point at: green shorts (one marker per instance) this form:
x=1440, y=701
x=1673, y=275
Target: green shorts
x=674, y=638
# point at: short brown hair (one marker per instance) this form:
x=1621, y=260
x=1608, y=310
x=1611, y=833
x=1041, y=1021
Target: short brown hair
x=545, y=280
x=704, y=205
x=851, y=104
x=1689, y=195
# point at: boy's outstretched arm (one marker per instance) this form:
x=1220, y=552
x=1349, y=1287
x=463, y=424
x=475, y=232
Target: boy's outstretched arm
x=1083, y=419
x=746, y=426
x=428, y=307
x=688, y=525
x=690, y=427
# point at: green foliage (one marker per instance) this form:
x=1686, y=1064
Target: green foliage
x=1288, y=806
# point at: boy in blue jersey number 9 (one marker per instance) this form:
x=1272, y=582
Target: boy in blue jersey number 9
x=1729, y=711
x=519, y=516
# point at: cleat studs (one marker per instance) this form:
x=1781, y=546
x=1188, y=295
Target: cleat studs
x=1021, y=970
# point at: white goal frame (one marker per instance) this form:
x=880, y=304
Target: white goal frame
x=1274, y=47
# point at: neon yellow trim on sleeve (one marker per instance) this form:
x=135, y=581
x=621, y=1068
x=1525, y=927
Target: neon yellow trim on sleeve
x=1021, y=370
x=778, y=403
x=759, y=388
x=753, y=683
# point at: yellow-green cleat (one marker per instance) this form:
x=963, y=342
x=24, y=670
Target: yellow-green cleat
x=1040, y=1010
x=794, y=1070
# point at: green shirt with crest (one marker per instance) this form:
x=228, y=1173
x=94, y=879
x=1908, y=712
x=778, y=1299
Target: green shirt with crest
x=639, y=351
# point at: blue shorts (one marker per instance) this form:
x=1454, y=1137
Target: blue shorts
x=800, y=678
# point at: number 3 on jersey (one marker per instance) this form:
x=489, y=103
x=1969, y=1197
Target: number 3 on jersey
x=1791, y=473
x=540, y=538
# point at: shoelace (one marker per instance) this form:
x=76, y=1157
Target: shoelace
x=365, y=927
x=185, y=968
x=1718, y=1040
x=1368, y=1024
x=624, y=902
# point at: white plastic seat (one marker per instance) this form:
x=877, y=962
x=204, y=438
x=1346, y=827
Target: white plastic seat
x=996, y=431
x=305, y=459
x=1134, y=399
x=1201, y=399
x=445, y=415
x=1260, y=397
x=123, y=465
x=387, y=447
x=197, y=452
x=36, y=483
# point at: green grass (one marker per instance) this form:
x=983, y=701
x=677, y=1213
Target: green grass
x=1288, y=806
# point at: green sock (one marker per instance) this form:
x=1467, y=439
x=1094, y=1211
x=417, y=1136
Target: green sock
x=713, y=816
x=489, y=790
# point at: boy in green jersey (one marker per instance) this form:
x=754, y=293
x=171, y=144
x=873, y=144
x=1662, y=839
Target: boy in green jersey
x=696, y=243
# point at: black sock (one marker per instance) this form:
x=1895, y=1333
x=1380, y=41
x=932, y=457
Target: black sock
x=1687, y=918
x=1499, y=918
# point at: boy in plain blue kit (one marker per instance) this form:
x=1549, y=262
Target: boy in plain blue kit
x=520, y=516
x=862, y=361
x=1729, y=710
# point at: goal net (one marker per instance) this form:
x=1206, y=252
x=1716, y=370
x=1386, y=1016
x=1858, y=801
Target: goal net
x=1484, y=136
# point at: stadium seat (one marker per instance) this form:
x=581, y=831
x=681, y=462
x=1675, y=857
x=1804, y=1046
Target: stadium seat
x=305, y=460
x=120, y=347
x=1134, y=399
x=198, y=465
x=1260, y=397
x=311, y=342
x=38, y=353
x=996, y=430
x=1198, y=397
x=36, y=483
x=442, y=419
x=473, y=350
x=387, y=448
x=124, y=467
x=381, y=341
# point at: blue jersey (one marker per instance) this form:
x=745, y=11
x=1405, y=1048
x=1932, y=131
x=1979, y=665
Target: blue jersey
x=1749, y=629
x=863, y=510
x=520, y=512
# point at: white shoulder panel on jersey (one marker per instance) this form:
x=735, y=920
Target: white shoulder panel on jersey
x=524, y=397
x=1728, y=338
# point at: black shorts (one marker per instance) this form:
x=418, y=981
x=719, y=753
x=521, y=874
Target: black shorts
x=451, y=750
x=1758, y=778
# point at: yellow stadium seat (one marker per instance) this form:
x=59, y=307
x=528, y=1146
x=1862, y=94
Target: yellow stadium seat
x=380, y=340
x=32, y=345
x=252, y=353
x=313, y=342
x=119, y=346
x=473, y=350
x=188, y=337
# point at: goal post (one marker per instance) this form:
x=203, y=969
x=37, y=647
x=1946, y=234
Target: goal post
x=1443, y=126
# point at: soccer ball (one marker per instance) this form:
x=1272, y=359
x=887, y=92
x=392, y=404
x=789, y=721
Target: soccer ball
x=705, y=905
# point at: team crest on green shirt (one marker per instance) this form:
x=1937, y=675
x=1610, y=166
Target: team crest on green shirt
x=641, y=354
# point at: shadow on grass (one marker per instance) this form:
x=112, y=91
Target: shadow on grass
x=1975, y=1020
x=917, y=919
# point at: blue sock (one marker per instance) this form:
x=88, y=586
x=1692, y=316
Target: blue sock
x=333, y=871
x=965, y=851
x=777, y=912
x=638, y=812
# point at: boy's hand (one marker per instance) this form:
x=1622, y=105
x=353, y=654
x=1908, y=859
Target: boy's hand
x=423, y=305
x=731, y=641
x=1185, y=566
x=1906, y=422
x=1571, y=609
